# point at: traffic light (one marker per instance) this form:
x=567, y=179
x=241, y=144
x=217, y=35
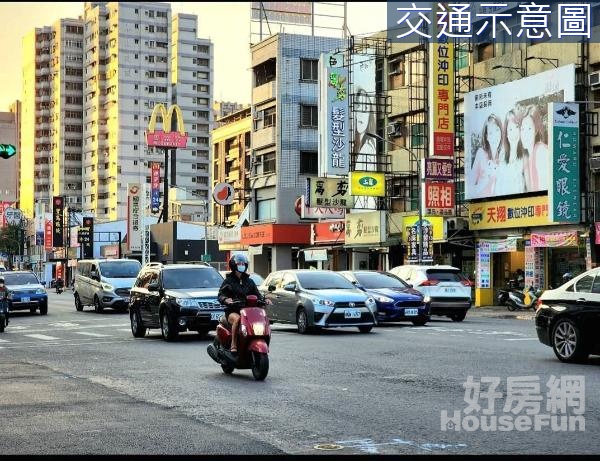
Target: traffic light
x=7, y=150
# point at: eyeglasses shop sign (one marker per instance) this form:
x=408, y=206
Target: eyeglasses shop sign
x=365, y=228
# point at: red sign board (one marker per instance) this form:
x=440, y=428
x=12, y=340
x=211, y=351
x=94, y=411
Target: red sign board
x=332, y=232
x=439, y=198
x=159, y=138
x=269, y=234
x=597, y=225
x=59, y=271
x=48, y=234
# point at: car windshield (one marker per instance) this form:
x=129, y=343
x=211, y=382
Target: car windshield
x=185, y=278
x=120, y=270
x=258, y=280
x=376, y=280
x=20, y=279
x=445, y=275
x=323, y=281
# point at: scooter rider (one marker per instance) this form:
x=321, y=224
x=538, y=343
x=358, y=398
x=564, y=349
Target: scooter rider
x=236, y=286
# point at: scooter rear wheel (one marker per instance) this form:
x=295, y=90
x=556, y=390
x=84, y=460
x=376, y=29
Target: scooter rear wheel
x=2, y=323
x=511, y=306
x=260, y=367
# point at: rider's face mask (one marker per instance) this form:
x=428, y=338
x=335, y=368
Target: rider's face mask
x=241, y=268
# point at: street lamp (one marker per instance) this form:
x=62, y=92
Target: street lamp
x=552, y=61
x=518, y=70
x=489, y=80
x=416, y=159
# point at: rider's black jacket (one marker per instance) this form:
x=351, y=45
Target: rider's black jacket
x=237, y=289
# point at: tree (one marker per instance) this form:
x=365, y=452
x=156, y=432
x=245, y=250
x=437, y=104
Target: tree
x=10, y=241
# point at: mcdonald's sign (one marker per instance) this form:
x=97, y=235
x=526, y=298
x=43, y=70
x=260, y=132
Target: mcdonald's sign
x=166, y=137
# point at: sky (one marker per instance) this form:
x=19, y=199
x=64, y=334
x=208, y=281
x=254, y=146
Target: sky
x=227, y=24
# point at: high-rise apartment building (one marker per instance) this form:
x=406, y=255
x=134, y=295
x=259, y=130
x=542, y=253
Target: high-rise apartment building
x=51, y=120
x=136, y=56
x=9, y=134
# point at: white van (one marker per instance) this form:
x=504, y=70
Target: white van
x=104, y=283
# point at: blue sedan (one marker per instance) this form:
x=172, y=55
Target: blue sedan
x=396, y=300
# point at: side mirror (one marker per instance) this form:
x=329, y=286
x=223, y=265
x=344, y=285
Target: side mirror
x=290, y=287
x=271, y=288
x=410, y=285
x=153, y=287
x=44, y=283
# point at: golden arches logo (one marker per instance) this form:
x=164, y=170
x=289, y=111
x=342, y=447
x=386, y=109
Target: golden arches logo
x=166, y=118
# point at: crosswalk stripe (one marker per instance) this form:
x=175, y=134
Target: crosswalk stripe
x=124, y=329
x=4, y=341
x=44, y=337
x=87, y=333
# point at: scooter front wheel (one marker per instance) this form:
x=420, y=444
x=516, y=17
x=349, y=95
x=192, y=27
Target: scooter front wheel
x=227, y=369
x=260, y=367
x=3, y=323
x=511, y=306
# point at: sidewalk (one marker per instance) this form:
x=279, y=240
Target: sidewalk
x=501, y=312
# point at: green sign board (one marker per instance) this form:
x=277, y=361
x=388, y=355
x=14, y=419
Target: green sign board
x=207, y=258
x=564, y=185
x=7, y=150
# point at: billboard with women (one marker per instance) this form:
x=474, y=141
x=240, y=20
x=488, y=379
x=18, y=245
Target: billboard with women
x=506, y=134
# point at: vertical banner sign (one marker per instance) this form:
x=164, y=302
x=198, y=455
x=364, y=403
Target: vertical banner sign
x=483, y=272
x=58, y=216
x=529, y=264
x=563, y=134
x=134, y=225
x=155, y=190
x=413, y=252
x=48, y=231
x=85, y=237
x=333, y=157
x=442, y=108
x=427, y=254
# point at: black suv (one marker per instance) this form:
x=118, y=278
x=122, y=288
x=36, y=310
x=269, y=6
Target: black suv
x=175, y=298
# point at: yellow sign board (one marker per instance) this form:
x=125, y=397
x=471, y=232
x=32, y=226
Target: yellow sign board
x=365, y=228
x=442, y=109
x=499, y=214
x=436, y=222
x=166, y=116
x=367, y=183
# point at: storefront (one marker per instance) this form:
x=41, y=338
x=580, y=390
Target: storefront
x=327, y=250
x=366, y=238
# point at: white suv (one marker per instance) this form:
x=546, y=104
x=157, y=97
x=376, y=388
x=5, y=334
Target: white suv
x=446, y=288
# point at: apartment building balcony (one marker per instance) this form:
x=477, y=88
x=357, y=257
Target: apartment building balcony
x=400, y=101
x=42, y=85
x=103, y=203
x=264, y=92
x=40, y=167
x=42, y=181
x=234, y=175
x=263, y=137
x=42, y=140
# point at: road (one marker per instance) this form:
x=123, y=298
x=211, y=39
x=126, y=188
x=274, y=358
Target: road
x=79, y=383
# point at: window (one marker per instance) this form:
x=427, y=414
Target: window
x=151, y=29
x=417, y=135
x=269, y=163
x=309, y=69
x=596, y=286
x=266, y=210
x=462, y=59
x=308, y=116
x=269, y=117
x=584, y=285
x=308, y=162
x=136, y=40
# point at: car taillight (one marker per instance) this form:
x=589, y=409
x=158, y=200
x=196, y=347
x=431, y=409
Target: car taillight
x=429, y=283
x=538, y=304
x=467, y=283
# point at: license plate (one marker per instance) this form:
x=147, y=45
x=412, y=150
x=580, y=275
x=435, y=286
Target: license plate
x=449, y=290
x=411, y=312
x=352, y=314
x=215, y=315
x=126, y=300
x=25, y=299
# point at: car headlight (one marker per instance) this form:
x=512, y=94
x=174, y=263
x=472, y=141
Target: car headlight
x=40, y=291
x=427, y=299
x=107, y=287
x=322, y=302
x=9, y=295
x=370, y=303
x=187, y=302
x=384, y=299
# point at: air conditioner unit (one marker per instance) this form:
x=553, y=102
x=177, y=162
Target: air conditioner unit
x=595, y=163
x=456, y=224
x=594, y=80
x=394, y=129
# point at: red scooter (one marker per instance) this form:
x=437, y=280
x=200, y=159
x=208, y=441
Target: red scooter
x=254, y=336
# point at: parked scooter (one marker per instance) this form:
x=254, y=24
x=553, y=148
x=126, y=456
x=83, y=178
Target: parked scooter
x=522, y=299
x=254, y=336
x=3, y=306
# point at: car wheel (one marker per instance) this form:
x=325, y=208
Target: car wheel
x=365, y=328
x=168, y=329
x=260, y=366
x=44, y=308
x=97, y=306
x=458, y=317
x=302, y=322
x=137, y=327
x=567, y=341
x=420, y=321
x=78, y=305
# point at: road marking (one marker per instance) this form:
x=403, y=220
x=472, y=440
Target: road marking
x=4, y=341
x=520, y=339
x=124, y=329
x=44, y=337
x=87, y=333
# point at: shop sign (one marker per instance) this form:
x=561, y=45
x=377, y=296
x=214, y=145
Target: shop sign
x=563, y=133
x=134, y=217
x=439, y=198
x=597, y=226
x=231, y=235
x=48, y=232
x=367, y=184
x=522, y=212
x=412, y=233
x=439, y=169
x=306, y=212
x=506, y=245
x=327, y=193
x=365, y=228
x=58, y=219
x=435, y=222
x=274, y=234
x=442, y=111
x=315, y=255
x=483, y=272
x=328, y=232
x=555, y=239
